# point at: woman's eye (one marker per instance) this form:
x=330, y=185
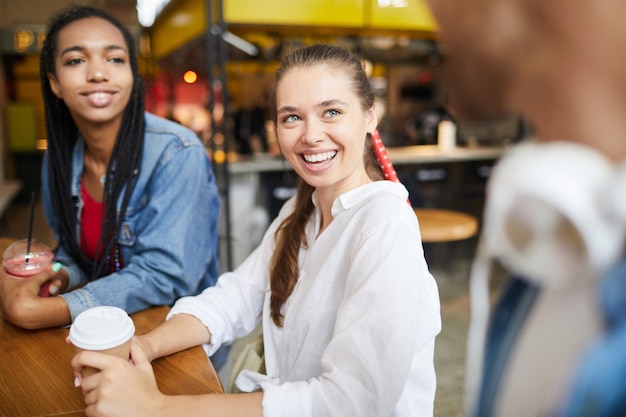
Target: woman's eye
x=118, y=60
x=332, y=112
x=291, y=118
x=73, y=61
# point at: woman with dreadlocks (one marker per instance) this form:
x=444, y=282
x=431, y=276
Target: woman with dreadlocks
x=131, y=197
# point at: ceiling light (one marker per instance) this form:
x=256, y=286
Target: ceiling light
x=240, y=43
x=148, y=10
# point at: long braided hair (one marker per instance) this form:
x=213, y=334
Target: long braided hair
x=290, y=236
x=123, y=168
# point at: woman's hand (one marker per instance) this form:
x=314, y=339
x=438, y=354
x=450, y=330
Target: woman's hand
x=20, y=302
x=121, y=388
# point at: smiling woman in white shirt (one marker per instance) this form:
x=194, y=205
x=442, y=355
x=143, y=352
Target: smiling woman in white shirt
x=349, y=310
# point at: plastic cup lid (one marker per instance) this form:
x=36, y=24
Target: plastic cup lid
x=40, y=255
x=101, y=328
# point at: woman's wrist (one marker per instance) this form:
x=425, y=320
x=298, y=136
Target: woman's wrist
x=148, y=345
x=45, y=312
x=190, y=330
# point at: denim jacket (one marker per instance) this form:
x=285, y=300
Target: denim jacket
x=169, y=238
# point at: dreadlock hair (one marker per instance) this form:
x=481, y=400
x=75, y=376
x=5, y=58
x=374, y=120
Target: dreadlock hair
x=290, y=235
x=123, y=168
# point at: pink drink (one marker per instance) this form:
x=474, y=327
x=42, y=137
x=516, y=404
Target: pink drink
x=20, y=264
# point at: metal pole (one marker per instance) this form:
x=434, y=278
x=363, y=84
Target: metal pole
x=217, y=56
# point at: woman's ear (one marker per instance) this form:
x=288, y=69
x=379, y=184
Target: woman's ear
x=54, y=85
x=372, y=119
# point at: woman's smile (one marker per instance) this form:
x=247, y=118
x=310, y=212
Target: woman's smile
x=99, y=98
x=319, y=157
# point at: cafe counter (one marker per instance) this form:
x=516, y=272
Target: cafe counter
x=421, y=154
x=259, y=185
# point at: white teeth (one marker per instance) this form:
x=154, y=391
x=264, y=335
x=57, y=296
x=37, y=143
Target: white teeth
x=99, y=95
x=319, y=157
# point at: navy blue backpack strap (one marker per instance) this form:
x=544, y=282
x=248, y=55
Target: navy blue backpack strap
x=508, y=316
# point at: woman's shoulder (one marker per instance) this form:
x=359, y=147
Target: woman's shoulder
x=386, y=201
x=164, y=130
x=384, y=196
x=165, y=139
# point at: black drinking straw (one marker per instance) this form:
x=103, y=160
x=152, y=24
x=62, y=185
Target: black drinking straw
x=30, y=225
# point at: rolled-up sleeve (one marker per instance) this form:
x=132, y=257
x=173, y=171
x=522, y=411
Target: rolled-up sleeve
x=233, y=307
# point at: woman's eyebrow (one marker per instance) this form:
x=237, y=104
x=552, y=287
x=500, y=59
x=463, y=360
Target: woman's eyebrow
x=79, y=48
x=333, y=102
x=286, y=109
x=325, y=103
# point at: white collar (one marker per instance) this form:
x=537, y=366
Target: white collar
x=357, y=195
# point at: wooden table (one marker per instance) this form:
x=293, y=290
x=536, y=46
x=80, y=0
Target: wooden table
x=36, y=378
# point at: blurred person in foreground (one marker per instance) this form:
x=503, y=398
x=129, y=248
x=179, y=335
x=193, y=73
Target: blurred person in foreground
x=131, y=197
x=349, y=309
x=554, y=343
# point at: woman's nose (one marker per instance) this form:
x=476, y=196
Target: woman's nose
x=97, y=72
x=313, y=132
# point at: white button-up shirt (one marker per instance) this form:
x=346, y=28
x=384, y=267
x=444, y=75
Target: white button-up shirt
x=359, y=329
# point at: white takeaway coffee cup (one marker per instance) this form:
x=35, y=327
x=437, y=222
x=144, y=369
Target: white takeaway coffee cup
x=105, y=329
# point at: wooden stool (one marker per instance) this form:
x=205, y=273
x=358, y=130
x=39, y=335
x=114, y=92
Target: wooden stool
x=445, y=225
x=441, y=226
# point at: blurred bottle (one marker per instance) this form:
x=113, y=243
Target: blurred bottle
x=446, y=134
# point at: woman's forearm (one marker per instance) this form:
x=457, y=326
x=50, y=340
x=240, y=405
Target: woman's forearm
x=34, y=312
x=188, y=331
x=229, y=405
x=41, y=313
x=55, y=313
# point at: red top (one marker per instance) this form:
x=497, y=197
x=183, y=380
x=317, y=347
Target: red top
x=92, y=219
x=91, y=223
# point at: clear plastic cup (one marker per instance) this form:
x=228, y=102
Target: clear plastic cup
x=105, y=329
x=21, y=263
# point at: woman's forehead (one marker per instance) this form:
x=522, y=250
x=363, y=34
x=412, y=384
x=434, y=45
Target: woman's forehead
x=317, y=84
x=91, y=30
